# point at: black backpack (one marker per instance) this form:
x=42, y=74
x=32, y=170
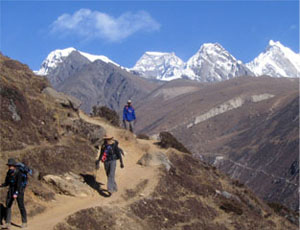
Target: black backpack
x=24, y=170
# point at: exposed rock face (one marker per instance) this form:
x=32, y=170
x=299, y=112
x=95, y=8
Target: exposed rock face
x=63, y=99
x=69, y=184
x=153, y=159
x=247, y=127
x=213, y=63
x=162, y=66
x=276, y=61
x=98, y=83
x=61, y=68
x=93, y=133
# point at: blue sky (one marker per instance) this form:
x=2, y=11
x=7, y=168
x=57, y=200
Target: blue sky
x=124, y=30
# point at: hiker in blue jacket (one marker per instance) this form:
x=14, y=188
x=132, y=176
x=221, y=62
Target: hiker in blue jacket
x=129, y=118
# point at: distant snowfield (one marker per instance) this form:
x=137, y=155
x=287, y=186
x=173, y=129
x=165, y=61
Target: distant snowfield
x=229, y=105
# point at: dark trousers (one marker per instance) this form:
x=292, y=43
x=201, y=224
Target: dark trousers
x=110, y=169
x=20, y=201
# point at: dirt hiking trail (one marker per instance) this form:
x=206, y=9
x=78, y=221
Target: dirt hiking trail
x=127, y=178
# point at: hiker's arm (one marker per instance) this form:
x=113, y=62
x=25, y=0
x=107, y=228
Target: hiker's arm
x=133, y=114
x=5, y=182
x=124, y=114
x=119, y=155
x=101, y=153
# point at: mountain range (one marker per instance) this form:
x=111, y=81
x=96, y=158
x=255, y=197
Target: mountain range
x=209, y=64
x=236, y=123
x=159, y=188
x=94, y=80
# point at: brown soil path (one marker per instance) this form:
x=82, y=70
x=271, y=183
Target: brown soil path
x=127, y=178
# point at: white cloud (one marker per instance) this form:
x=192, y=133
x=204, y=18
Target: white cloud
x=94, y=24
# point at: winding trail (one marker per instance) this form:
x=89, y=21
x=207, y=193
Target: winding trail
x=127, y=178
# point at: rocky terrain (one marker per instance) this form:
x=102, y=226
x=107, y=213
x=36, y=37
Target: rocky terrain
x=98, y=81
x=94, y=80
x=173, y=190
x=41, y=129
x=247, y=127
x=212, y=63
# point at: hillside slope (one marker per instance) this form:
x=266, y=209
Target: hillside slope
x=94, y=80
x=252, y=123
x=166, y=190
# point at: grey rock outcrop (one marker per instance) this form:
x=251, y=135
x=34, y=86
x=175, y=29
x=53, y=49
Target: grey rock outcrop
x=69, y=184
x=154, y=159
x=63, y=99
x=94, y=133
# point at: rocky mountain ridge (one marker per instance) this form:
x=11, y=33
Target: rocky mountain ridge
x=175, y=191
x=276, y=61
x=213, y=63
x=210, y=63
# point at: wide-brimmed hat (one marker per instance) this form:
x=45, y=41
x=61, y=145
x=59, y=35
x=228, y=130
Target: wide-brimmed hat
x=11, y=162
x=107, y=137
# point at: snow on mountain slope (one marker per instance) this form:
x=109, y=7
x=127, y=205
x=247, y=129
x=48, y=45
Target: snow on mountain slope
x=53, y=59
x=161, y=66
x=276, y=61
x=213, y=63
x=58, y=56
x=93, y=58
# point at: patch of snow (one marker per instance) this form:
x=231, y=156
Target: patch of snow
x=229, y=105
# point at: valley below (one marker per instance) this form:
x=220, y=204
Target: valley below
x=242, y=133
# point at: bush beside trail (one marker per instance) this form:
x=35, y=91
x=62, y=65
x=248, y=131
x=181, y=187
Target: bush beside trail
x=167, y=140
x=110, y=115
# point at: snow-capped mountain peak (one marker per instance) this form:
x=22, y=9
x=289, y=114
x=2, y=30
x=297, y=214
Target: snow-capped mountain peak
x=211, y=63
x=158, y=65
x=276, y=61
x=58, y=56
x=214, y=63
x=52, y=60
x=93, y=58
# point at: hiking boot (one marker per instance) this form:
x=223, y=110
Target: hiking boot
x=6, y=226
x=24, y=225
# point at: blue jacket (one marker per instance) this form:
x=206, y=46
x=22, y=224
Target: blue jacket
x=128, y=113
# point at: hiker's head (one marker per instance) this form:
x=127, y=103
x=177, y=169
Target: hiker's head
x=129, y=102
x=11, y=163
x=108, y=139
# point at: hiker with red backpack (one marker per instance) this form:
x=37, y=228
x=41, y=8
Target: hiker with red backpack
x=109, y=154
x=129, y=118
x=16, y=179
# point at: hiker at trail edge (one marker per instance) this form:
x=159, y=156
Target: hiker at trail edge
x=129, y=118
x=109, y=154
x=16, y=182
